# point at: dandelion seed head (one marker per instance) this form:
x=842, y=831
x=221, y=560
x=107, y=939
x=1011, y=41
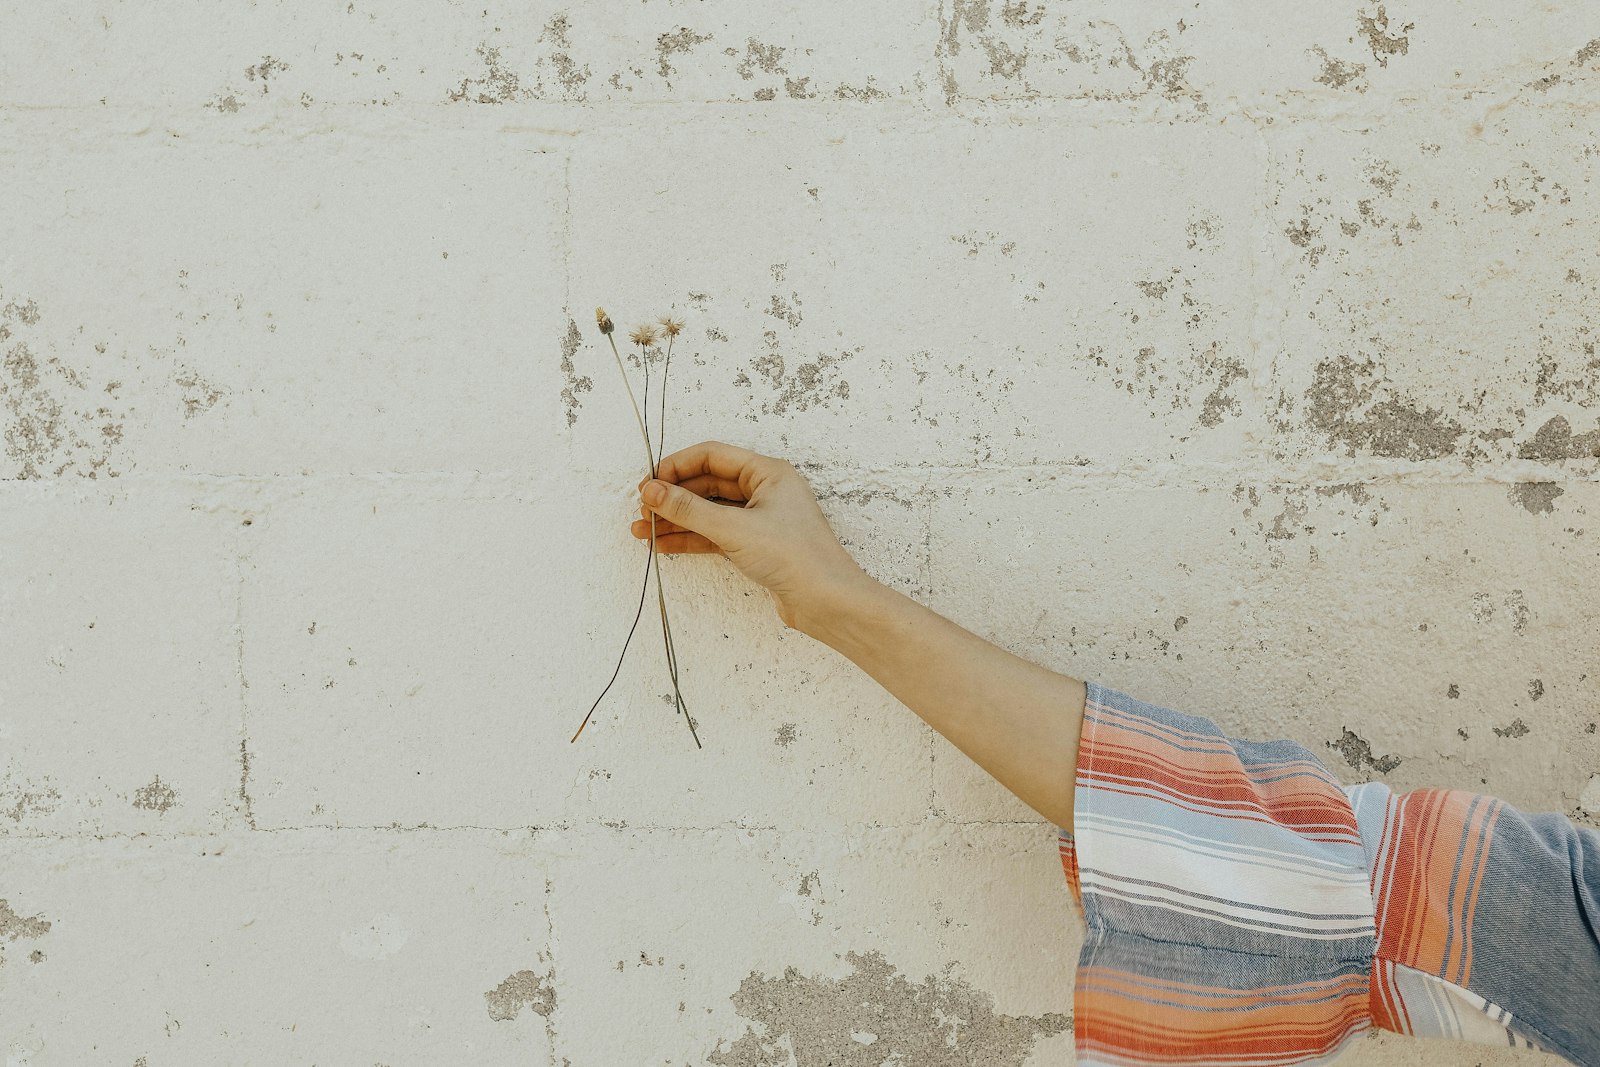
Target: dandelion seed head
x=671, y=326
x=602, y=320
x=643, y=335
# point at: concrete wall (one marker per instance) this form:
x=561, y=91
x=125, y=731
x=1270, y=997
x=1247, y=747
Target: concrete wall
x=1238, y=357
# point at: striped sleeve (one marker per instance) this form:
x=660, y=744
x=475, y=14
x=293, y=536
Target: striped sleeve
x=1243, y=907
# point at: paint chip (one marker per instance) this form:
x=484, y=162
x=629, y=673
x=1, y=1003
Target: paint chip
x=1358, y=753
x=524, y=989
x=158, y=796
x=875, y=1016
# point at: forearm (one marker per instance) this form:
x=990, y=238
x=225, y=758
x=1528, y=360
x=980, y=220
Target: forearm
x=1015, y=719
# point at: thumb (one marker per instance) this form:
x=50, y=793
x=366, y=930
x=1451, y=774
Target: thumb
x=689, y=510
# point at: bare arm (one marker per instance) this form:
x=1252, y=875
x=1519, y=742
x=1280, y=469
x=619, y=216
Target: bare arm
x=1015, y=719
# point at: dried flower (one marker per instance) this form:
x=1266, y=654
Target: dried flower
x=642, y=336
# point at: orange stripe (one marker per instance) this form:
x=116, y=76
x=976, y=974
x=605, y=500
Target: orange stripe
x=1316, y=821
x=1223, y=782
x=1471, y=908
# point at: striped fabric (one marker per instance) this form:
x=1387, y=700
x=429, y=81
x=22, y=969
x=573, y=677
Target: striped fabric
x=1242, y=907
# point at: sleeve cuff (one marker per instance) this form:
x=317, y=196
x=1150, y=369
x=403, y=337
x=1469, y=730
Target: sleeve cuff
x=1225, y=893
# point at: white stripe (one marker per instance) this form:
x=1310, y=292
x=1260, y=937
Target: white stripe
x=1475, y=1018
x=1250, y=886
x=1134, y=829
x=1286, y=926
x=1140, y=787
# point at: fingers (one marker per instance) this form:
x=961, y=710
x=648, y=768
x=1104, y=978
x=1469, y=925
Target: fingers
x=719, y=459
x=680, y=541
x=709, y=485
x=640, y=525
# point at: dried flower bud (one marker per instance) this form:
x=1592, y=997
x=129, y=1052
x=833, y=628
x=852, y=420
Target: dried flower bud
x=643, y=335
x=600, y=318
x=670, y=326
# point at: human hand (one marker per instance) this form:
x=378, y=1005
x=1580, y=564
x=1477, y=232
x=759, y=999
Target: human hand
x=760, y=513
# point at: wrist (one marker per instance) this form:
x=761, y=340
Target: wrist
x=841, y=606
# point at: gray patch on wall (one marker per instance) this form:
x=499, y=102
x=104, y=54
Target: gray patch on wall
x=22, y=798
x=575, y=383
x=199, y=395
x=157, y=796
x=1555, y=440
x=1537, y=497
x=568, y=74
x=53, y=422
x=1391, y=427
x=813, y=383
x=1339, y=73
x=876, y=1016
x=681, y=42
x=497, y=85
x=1383, y=40
x=1358, y=752
x=524, y=989
x=14, y=926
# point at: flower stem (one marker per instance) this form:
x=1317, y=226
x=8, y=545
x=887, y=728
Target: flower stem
x=642, y=428
x=661, y=597
x=653, y=560
x=666, y=628
x=637, y=615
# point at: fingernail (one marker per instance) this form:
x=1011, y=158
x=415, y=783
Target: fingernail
x=654, y=492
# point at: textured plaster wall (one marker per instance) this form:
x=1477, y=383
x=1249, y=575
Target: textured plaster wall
x=1239, y=357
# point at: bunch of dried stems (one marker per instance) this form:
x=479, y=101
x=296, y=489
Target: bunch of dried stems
x=645, y=337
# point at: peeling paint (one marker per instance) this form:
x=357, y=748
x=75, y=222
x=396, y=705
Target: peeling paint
x=198, y=395
x=1517, y=604
x=1357, y=752
x=814, y=383
x=1025, y=52
x=568, y=75
x=53, y=423
x=1341, y=74
x=1394, y=426
x=1354, y=490
x=1384, y=41
x=1218, y=402
x=875, y=1016
x=524, y=989
x=1183, y=371
x=25, y=798
x=14, y=926
x=575, y=383
x=1536, y=497
x=158, y=796
x=681, y=41
x=265, y=70
x=497, y=85
x=1556, y=441
x=1288, y=522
